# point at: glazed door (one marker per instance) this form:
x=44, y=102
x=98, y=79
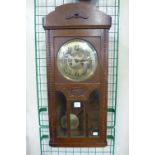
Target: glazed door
x=78, y=110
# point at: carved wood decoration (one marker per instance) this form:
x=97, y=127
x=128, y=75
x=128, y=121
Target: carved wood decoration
x=77, y=75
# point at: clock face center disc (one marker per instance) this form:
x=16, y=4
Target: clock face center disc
x=77, y=60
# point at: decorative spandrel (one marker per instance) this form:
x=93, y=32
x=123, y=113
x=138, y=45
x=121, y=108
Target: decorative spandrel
x=77, y=60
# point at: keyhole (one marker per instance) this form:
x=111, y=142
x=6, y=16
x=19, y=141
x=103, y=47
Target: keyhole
x=76, y=14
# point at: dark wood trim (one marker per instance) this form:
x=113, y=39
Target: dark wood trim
x=48, y=70
x=88, y=144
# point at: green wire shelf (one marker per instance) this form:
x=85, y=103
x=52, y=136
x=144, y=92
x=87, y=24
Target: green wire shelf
x=41, y=9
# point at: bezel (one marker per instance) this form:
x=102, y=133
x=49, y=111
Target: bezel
x=76, y=43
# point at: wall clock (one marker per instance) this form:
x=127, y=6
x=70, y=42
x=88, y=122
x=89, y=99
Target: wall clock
x=77, y=75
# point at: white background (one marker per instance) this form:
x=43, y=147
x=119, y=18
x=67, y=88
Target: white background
x=142, y=80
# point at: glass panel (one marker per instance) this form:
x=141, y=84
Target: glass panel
x=77, y=60
x=77, y=119
x=94, y=114
x=61, y=115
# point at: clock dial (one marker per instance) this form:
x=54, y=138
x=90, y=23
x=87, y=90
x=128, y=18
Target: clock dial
x=77, y=60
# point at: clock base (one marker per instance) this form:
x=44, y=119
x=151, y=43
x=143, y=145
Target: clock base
x=78, y=144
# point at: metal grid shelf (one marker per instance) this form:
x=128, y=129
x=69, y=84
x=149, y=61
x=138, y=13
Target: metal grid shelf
x=42, y=8
x=47, y=150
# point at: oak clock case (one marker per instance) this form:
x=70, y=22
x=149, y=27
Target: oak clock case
x=77, y=75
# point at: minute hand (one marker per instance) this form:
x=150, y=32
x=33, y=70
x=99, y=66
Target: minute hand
x=83, y=60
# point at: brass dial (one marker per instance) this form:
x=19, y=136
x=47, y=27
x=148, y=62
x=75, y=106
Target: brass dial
x=77, y=60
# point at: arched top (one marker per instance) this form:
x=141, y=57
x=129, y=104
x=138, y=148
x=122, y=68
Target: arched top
x=76, y=15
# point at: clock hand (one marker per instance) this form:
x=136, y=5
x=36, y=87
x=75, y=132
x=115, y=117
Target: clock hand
x=85, y=60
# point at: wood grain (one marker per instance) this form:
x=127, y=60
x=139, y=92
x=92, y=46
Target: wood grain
x=67, y=22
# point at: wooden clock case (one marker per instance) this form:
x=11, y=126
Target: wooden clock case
x=86, y=22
